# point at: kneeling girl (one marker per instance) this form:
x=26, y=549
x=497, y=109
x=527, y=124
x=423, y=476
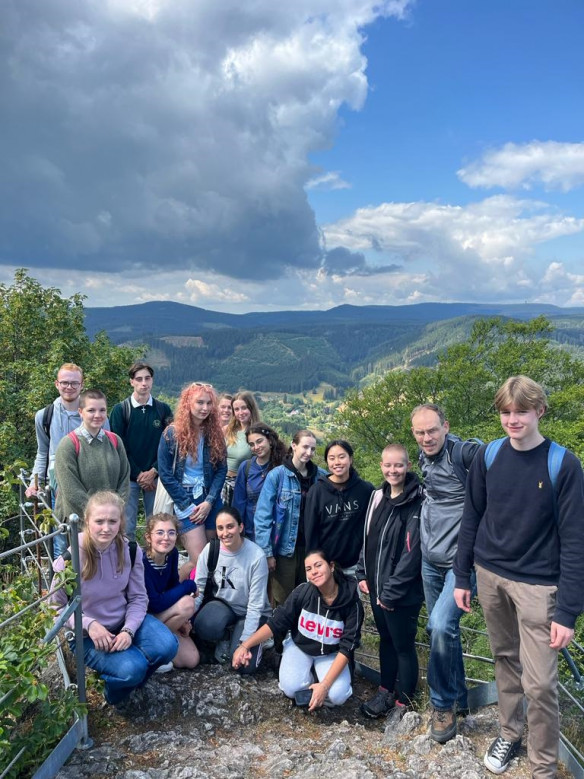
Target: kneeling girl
x=324, y=616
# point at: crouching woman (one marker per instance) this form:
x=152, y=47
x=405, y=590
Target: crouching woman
x=123, y=643
x=324, y=616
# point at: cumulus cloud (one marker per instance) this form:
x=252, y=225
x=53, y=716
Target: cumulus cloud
x=480, y=251
x=165, y=133
x=549, y=163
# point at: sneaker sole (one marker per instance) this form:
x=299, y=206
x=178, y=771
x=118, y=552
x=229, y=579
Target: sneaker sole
x=492, y=768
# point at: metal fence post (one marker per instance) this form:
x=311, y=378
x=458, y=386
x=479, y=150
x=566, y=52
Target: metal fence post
x=85, y=742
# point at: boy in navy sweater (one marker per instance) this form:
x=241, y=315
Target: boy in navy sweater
x=523, y=529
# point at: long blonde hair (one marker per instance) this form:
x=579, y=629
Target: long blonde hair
x=104, y=498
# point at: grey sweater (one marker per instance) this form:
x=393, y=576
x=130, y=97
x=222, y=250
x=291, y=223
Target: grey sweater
x=241, y=580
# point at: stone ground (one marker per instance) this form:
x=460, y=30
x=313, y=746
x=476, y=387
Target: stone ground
x=211, y=723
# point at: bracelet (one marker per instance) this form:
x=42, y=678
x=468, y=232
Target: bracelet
x=128, y=631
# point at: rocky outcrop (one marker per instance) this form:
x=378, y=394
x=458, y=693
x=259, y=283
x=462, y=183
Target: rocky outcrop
x=212, y=723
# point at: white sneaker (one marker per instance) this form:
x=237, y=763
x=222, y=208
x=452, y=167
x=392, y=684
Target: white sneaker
x=165, y=668
x=269, y=644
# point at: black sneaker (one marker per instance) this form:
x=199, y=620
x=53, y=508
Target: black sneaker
x=500, y=754
x=380, y=705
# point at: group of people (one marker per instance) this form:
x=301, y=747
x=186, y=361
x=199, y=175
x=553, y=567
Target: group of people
x=280, y=549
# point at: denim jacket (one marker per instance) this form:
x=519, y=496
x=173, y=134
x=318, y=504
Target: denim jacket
x=278, y=512
x=214, y=475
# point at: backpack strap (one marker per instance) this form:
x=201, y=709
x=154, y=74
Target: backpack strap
x=457, y=451
x=73, y=436
x=126, y=411
x=492, y=450
x=555, y=458
x=214, y=545
x=48, y=412
x=112, y=438
x=247, y=468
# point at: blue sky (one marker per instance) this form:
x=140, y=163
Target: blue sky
x=260, y=156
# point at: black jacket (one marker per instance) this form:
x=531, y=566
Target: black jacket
x=392, y=568
x=334, y=518
x=318, y=629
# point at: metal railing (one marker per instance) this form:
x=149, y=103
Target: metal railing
x=34, y=552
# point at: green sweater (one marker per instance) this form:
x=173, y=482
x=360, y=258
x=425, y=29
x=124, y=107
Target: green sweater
x=99, y=466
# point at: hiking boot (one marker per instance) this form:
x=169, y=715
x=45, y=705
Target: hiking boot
x=380, y=705
x=500, y=754
x=442, y=725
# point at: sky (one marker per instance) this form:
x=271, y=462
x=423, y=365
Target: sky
x=257, y=155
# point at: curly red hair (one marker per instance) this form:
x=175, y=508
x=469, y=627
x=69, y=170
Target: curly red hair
x=186, y=433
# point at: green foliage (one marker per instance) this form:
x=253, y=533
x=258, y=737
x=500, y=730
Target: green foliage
x=464, y=383
x=31, y=716
x=39, y=331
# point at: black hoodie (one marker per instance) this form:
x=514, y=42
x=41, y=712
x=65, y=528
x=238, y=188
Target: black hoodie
x=391, y=558
x=334, y=517
x=318, y=629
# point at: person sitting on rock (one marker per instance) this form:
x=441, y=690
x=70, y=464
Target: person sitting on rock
x=324, y=617
x=171, y=601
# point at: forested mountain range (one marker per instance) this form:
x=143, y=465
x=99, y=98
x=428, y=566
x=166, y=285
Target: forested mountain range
x=295, y=351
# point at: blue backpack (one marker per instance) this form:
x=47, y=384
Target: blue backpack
x=555, y=458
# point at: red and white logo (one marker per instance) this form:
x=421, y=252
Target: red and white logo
x=319, y=628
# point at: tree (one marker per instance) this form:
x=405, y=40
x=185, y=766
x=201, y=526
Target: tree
x=39, y=331
x=464, y=383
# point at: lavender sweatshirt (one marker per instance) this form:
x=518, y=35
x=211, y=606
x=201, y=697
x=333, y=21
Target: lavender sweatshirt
x=114, y=599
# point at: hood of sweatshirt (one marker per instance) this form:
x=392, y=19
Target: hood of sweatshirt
x=311, y=468
x=412, y=489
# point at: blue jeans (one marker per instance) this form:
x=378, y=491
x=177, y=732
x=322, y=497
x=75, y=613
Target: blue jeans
x=445, y=666
x=153, y=645
x=132, y=507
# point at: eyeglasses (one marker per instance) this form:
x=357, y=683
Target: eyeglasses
x=201, y=384
x=72, y=384
x=163, y=533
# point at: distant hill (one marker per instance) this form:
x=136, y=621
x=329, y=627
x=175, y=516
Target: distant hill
x=295, y=351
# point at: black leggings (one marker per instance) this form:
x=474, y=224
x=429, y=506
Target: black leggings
x=398, y=659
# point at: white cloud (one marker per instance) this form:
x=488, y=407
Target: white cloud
x=481, y=251
x=203, y=292
x=552, y=164
x=331, y=180
x=147, y=134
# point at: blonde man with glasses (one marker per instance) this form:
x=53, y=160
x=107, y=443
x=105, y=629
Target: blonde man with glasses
x=52, y=424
